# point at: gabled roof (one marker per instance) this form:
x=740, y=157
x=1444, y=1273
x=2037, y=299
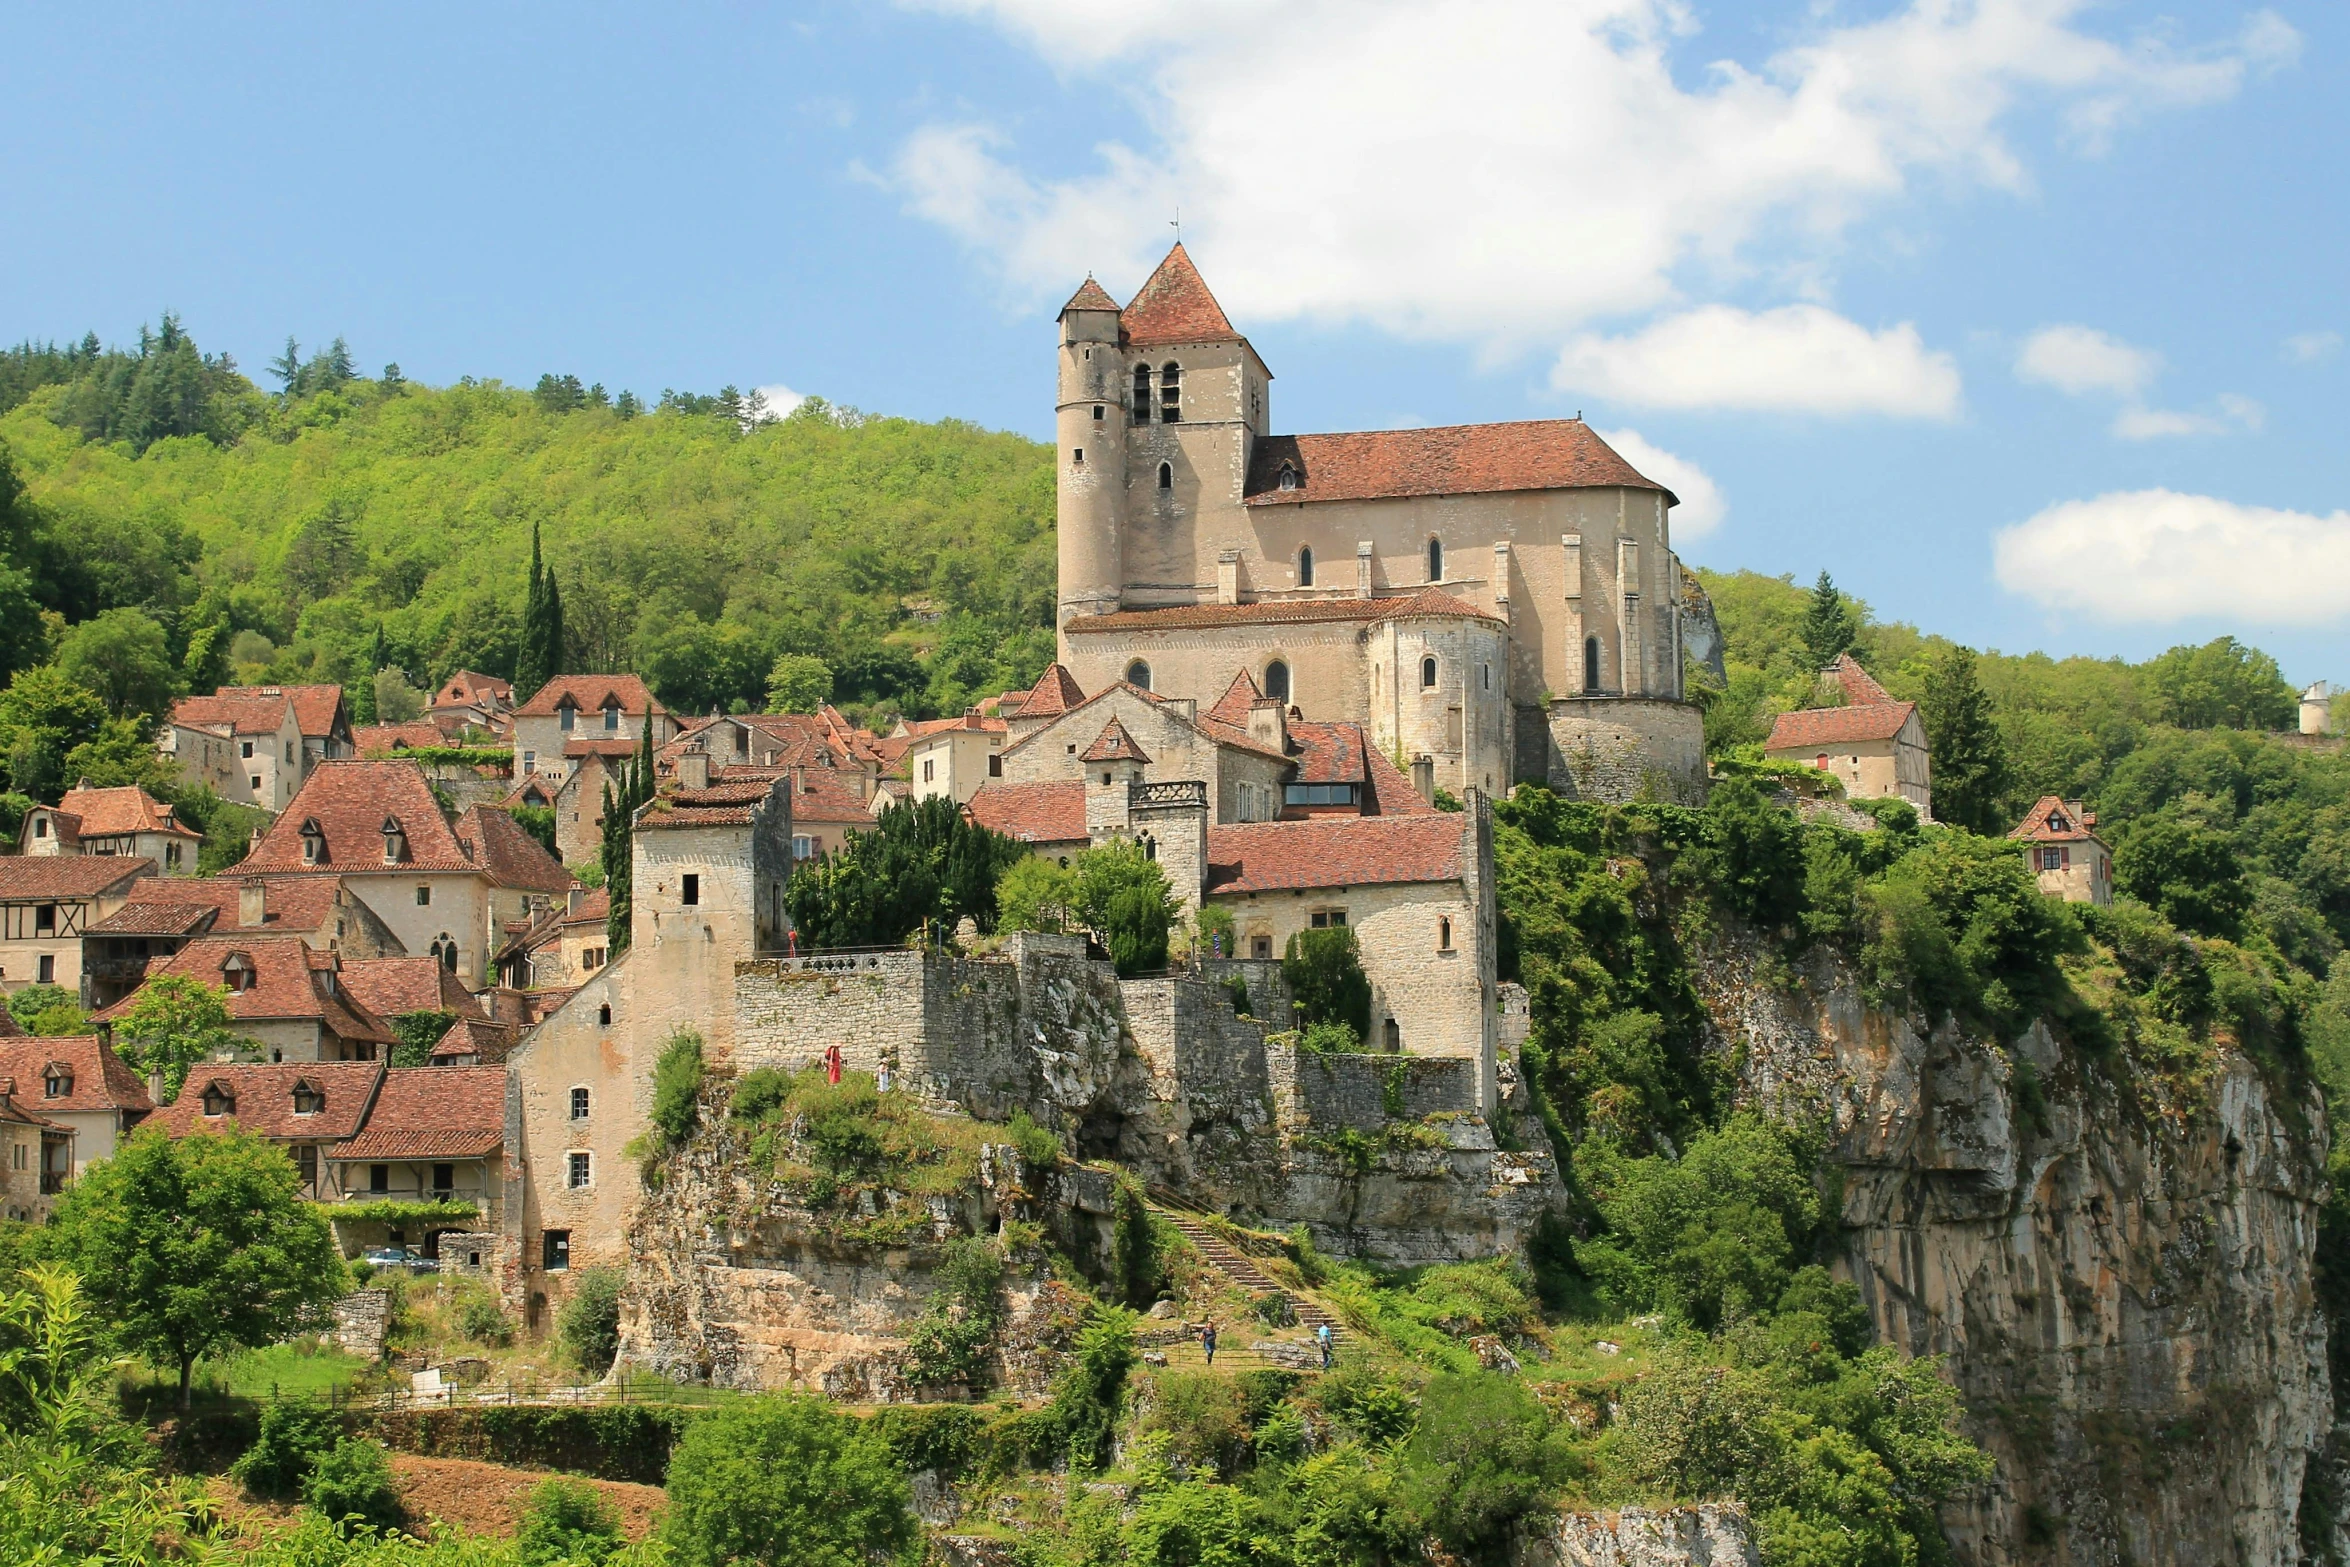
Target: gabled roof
x=389, y=739
x=720, y=805
x=590, y=694
x=1055, y=692
x=244, y=710
x=1427, y=602
x=12, y=1110
x=105, y=813
x=1114, y=744
x=468, y=687
x=481, y=1038
x=1174, y=306
x=36, y=878
x=2040, y=823
x=1859, y=686
x=102, y=1080
x=1457, y=459
x=822, y=796
x=157, y=919
x=1233, y=706
x=290, y=905
x=1329, y=753
x=291, y=983
x=318, y=710
x=350, y=800
x=433, y=1112
x=1335, y=851
x=595, y=908
x=512, y=857
x=264, y=1098
x=389, y=987
x=1089, y=296
x=1817, y=726
x=1049, y=812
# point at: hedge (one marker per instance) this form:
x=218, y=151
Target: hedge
x=606, y=1441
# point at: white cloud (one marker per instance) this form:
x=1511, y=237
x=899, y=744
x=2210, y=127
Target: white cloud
x=2155, y=424
x=2080, y=359
x=1798, y=358
x=2157, y=556
x=781, y=399
x=2308, y=347
x=1703, y=506
x=1506, y=172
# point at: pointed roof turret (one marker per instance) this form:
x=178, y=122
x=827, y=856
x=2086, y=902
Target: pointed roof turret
x=1089, y=296
x=1233, y=706
x=1054, y=693
x=1114, y=745
x=1176, y=307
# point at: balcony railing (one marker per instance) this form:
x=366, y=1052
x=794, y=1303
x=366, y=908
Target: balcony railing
x=1187, y=791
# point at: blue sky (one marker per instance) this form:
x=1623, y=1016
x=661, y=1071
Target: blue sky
x=2025, y=317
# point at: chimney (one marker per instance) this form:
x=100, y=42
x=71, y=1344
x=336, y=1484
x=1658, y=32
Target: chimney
x=799, y=780
x=252, y=903
x=693, y=768
x=573, y=898
x=155, y=1086
x=1268, y=725
x=1424, y=778
x=1228, y=577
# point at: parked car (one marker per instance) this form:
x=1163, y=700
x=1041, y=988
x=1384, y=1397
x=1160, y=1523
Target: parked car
x=400, y=1257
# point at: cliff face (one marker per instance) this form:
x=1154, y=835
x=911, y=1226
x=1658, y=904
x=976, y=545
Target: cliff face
x=2118, y=1269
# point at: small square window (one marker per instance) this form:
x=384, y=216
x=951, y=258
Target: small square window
x=379, y=1177
x=555, y=1250
x=423, y=896
x=581, y=1169
x=248, y=748
x=579, y=1104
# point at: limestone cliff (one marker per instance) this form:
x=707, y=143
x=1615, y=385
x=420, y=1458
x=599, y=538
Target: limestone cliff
x=2118, y=1267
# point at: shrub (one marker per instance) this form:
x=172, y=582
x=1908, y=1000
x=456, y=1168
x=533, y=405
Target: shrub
x=1138, y=1252
x=1204, y=1417
x=1477, y=1462
x=1124, y=897
x=784, y=1482
x=287, y=1447
x=1216, y=934
x=760, y=1093
x=1237, y=988
x=481, y=1319
x=1324, y=971
x=1035, y=894
x=567, y=1521
x=677, y=1088
x=590, y=1324
x=948, y=1342
x=1040, y=1146
x=1330, y=1038
x=1091, y=1389
x=351, y=1483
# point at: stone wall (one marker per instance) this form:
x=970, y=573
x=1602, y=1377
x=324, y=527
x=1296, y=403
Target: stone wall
x=1711, y=1534
x=1367, y=1092
x=1625, y=748
x=362, y=1318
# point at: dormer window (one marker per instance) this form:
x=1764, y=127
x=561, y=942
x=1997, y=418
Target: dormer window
x=218, y=1101
x=309, y=1098
x=567, y=714
x=2057, y=823
x=1288, y=477
x=57, y=1081
x=611, y=718
x=237, y=973
x=313, y=842
x=395, y=841
x=1171, y=395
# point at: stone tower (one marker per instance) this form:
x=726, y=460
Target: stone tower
x=1090, y=420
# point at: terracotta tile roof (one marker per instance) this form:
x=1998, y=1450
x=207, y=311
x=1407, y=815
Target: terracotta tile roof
x=467, y=687
x=1233, y=706
x=1328, y=753
x=157, y=919
x=1174, y=306
x=244, y=710
x=8, y=1028
x=1817, y=726
x=433, y=1112
x=721, y=805
x=292, y=982
x=2037, y=826
x=1859, y=686
x=823, y=796
x=478, y=1037
x=1278, y=612
x=1334, y=851
x=26, y=878
x=1050, y=812
x=389, y=987
x=1055, y=692
x=589, y=693
x=1089, y=296
x=263, y=1098
x=106, y=813
x=388, y=739
x=532, y=791
x=12, y=1110
x=1458, y=459
x=594, y=909
x=350, y=801
x=318, y=710
x=1114, y=744
x=513, y=858
x=1392, y=793
x=608, y=748
x=102, y=1080
x=290, y=904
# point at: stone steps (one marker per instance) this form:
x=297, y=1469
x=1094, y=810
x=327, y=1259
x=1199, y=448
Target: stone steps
x=1237, y=1266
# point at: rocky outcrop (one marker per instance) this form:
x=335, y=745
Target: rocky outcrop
x=1714, y=1534
x=2119, y=1269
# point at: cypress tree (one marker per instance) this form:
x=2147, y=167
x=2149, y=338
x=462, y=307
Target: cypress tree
x=1969, y=759
x=616, y=853
x=553, y=627
x=530, y=666
x=1829, y=625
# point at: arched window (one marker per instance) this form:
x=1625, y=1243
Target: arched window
x=1591, y=663
x=1427, y=674
x=1288, y=477
x=1305, y=557
x=1142, y=394
x=1435, y=560
x=1150, y=847
x=1277, y=681
x=1138, y=674
x=1171, y=394
x=1166, y=476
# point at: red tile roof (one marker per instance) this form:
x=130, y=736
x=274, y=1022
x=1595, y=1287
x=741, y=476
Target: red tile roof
x=389, y=987
x=290, y=905
x=1859, y=686
x=1817, y=726
x=13, y=1111
x=102, y=1080
x=824, y=796
x=292, y=982
x=1335, y=851
x=1279, y=612
x=390, y=739
x=720, y=805
x=433, y=1112
x=1114, y=744
x=350, y=801
x=26, y=878
x=1089, y=296
x=2036, y=827
x=467, y=687
x=1458, y=459
x=1051, y=812
x=473, y=1036
x=106, y=813
x=594, y=909
x=606, y=748
x=1392, y=793
x=318, y=710
x=513, y=858
x=1328, y=753
x=1240, y=696
x=263, y=1097
x=591, y=694
x=1174, y=306
x=244, y=710
x=157, y=919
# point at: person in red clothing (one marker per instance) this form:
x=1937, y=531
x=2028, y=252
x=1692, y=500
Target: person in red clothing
x=832, y=1061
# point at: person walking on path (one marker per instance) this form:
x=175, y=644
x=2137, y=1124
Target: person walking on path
x=1207, y=1340
x=1322, y=1340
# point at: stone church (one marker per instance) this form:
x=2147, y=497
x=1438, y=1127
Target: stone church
x=1493, y=602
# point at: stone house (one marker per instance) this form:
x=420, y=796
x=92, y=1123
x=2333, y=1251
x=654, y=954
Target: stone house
x=1500, y=600
x=47, y=903
x=162, y=916
x=257, y=744
x=525, y=881
x=392, y=988
x=954, y=756
x=432, y=1134
x=306, y=1109
x=285, y=996
x=36, y=1158
x=1237, y=752
x=2068, y=858
x=562, y=947
x=470, y=702
x=122, y=821
x=1872, y=745
x=79, y=1083
x=573, y=716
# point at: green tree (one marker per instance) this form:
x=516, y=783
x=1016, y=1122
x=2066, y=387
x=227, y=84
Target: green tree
x=2191, y=872
x=44, y=714
x=175, y=1021
x=1715, y=1234
x=397, y=701
x=1123, y=896
x=1324, y=972
x=531, y=667
x=2221, y=685
x=418, y=1032
x=1477, y=1462
x=590, y=1324
x=921, y=865
x=677, y=1089
x=124, y=658
x=1829, y=625
x=783, y=1481
x=1969, y=754
x=1036, y=894
x=351, y=1484
x=798, y=683
x=193, y=1244
x=567, y=1524
x=49, y=1010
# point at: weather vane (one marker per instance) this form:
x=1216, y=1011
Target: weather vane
x=1176, y=223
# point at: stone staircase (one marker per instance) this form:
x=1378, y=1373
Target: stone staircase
x=1237, y=1266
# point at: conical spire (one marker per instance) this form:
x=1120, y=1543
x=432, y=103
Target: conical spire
x=1176, y=307
x=1090, y=296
